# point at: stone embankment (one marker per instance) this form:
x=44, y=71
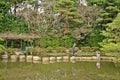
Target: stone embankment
x=31, y=58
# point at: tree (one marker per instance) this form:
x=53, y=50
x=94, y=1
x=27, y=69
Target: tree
x=3, y=11
x=108, y=12
x=112, y=34
x=39, y=16
x=89, y=31
x=8, y=21
x=68, y=15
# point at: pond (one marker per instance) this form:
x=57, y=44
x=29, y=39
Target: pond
x=81, y=70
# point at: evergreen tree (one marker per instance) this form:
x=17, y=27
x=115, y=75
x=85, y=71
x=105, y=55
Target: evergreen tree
x=108, y=12
x=69, y=16
x=112, y=34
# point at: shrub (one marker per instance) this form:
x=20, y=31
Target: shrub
x=33, y=51
x=10, y=51
x=85, y=49
x=2, y=47
x=2, y=53
x=49, y=49
x=89, y=49
x=93, y=49
x=111, y=47
x=60, y=49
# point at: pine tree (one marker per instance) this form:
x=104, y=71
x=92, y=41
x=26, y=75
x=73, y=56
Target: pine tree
x=108, y=12
x=112, y=34
x=68, y=14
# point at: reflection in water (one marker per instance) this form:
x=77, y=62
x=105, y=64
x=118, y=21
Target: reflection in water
x=78, y=70
x=98, y=64
x=5, y=60
x=27, y=78
x=73, y=68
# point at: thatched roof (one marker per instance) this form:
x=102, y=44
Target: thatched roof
x=9, y=35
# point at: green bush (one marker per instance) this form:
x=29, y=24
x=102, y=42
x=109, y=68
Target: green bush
x=55, y=41
x=60, y=49
x=2, y=47
x=2, y=53
x=10, y=51
x=89, y=49
x=85, y=49
x=34, y=51
x=93, y=49
x=111, y=47
x=49, y=50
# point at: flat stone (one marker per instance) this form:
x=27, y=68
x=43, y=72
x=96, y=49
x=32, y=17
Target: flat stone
x=65, y=57
x=45, y=59
x=13, y=57
x=29, y=57
x=59, y=58
x=36, y=58
x=52, y=58
x=5, y=56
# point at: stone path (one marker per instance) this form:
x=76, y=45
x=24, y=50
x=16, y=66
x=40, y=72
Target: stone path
x=30, y=58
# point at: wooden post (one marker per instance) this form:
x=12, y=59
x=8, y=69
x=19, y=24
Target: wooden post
x=21, y=44
x=6, y=43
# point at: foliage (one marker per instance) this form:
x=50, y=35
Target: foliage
x=108, y=12
x=68, y=15
x=89, y=49
x=63, y=22
x=93, y=38
x=89, y=31
x=2, y=47
x=67, y=11
x=112, y=54
x=112, y=34
x=9, y=22
x=52, y=41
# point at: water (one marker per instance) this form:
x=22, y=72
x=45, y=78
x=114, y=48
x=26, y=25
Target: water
x=59, y=71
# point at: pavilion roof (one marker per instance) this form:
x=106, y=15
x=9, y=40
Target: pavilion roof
x=9, y=35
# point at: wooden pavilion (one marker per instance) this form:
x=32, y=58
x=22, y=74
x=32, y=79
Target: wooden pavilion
x=8, y=36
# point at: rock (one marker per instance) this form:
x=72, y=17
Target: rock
x=65, y=57
x=36, y=58
x=29, y=58
x=21, y=58
x=52, y=58
x=5, y=56
x=13, y=57
x=59, y=58
x=45, y=60
x=72, y=59
x=95, y=58
x=19, y=53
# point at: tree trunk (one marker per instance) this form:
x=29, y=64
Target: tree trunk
x=65, y=28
